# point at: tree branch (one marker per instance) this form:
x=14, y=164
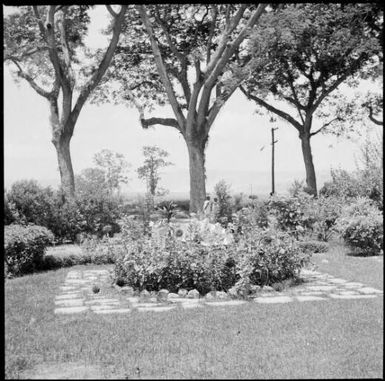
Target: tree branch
x=325, y=125
x=271, y=108
x=112, y=12
x=163, y=121
x=371, y=117
x=29, y=79
x=326, y=92
x=161, y=67
x=227, y=53
x=211, y=33
x=103, y=66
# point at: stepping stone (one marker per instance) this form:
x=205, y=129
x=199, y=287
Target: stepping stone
x=103, y=300
x=370, y=290
x=347, y=292
x=320, y=288
x=75, y=295
x=98, y=304
x=274, y=299
x=67, y=288
x=157, y=309
x=311, y=293
x=70, y=310
x=116, y=311
x=228, y=303
x=336, y=296
x=70, y=302
x=76, y=281
x=353, y=285
x=308, y=298
x=337, y=280
x=148, y=305
x=100, y=308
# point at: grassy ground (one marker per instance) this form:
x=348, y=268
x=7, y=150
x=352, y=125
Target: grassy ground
x=329, y=339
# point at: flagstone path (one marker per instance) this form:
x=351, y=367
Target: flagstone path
x=76, y=295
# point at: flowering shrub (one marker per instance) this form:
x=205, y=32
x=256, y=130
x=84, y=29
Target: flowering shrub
x=253, y=216
x=154, y=262
x=268, y=256
x=292, y=213
x=325, y=211
x=361, y=226
x=24, y=247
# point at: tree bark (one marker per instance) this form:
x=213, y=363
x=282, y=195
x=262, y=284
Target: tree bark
x=309, y=166
x=197, y=175
x=62, y=146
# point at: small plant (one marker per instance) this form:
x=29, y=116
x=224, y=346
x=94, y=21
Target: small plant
x=223, y=214
x=168, y=209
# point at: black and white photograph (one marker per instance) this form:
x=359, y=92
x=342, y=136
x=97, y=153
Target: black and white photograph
x=193, y=190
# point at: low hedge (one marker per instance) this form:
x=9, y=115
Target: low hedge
x=24, y=247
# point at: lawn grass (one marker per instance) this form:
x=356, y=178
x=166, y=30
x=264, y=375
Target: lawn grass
x=328, y=339
x=368, y=270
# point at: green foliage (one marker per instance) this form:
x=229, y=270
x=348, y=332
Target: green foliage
x=367, y=182
x=28, y=202
x=223, y=214
x=361, y=226
x=252, y=217
x=155, y=261
x=292, y=214
x=168, y=209
x=24, y=247
x=267, y=257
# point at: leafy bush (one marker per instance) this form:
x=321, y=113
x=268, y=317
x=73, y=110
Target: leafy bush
x=252, y=217
x=366, y=183
x=361, y=226
x=324, y=212
x=31, y=202
x=24, y=247
x=313, y=246
x=268, y=256
x=292, y=213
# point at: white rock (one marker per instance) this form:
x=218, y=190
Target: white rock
x=172, y=295
x=182, y=292
x=274, y=299
x=193, y=294
x=162, y=295
x=70, y=310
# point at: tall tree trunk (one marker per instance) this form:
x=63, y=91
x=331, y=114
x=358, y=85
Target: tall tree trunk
x=309, y=166
x=197, y=175
x=62, y=145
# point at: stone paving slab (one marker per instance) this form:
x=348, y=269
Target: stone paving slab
x=70, y=310
x=308, y=298
x=76, y=294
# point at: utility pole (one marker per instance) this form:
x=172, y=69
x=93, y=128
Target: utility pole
x=272, y=160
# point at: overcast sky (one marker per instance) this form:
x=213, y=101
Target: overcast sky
x=233, y=153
